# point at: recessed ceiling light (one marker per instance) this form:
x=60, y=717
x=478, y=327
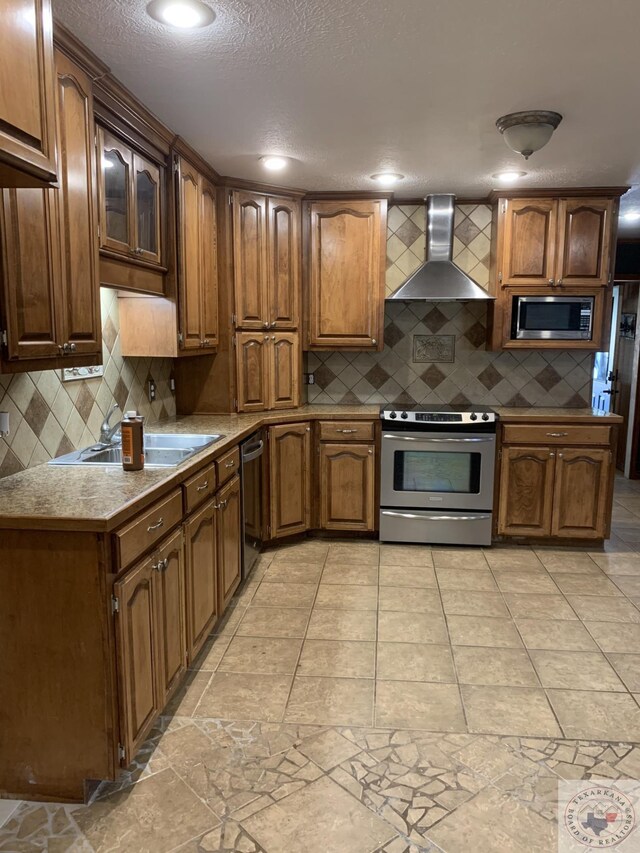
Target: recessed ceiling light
x=387, y=179
x=508, y=177
x=183, y=14
x=274, y=163
x=631, y=216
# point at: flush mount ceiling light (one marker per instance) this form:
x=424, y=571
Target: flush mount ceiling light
x=508, y=177
x=528, y=131
x=387, y=179
x=631, y=216
x=274, y=163
x=183, y=14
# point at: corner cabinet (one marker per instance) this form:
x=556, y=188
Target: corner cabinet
x=289, y=479
x=27, y=94
x=552, y=247
x=49, y=289
x=345, y=268
x=556, y=481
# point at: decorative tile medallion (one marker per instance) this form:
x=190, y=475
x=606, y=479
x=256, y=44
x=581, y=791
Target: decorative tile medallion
x=429, y=348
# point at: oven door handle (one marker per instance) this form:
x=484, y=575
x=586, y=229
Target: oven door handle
x=478, y=517
x=440, y=440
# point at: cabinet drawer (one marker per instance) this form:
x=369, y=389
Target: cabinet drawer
x=228, y=465
x=346, y=431
x=556, y=434
x=202, y=485
x=144, y=531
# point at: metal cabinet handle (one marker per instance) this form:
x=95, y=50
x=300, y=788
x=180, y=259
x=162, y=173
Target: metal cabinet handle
x=552, y=281
x=222, y=504
x=138, y=251
x=266, y=337
x=552, y=455
x=557, y=434
x=371, y=453
x=204, y=486
x=307, y=429
x=161, y=565
x=72, y=347
x=346, y=431
x=559, y=281
x=559, y=455
x=156, y=526
x=265, y=326
x=229, y=464
x=374, y=341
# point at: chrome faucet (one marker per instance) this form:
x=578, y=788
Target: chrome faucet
x=106, y=430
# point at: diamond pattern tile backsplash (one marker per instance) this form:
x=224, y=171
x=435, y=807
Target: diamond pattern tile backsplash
x=525, y=378
x=50, y=417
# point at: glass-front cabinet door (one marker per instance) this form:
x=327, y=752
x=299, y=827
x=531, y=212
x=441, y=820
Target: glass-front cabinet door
x=115, y=202
x=130, y=201
x=147, y=209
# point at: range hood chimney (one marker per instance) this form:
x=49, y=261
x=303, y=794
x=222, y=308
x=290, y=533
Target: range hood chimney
x=439, y=279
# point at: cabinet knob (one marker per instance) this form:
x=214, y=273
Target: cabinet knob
x=266, y=337
x=552, y=281
x=161, y=565
x=559, y=455
x=552, y=455
x=374, y=341
x=266, y=326
x=371, y=453
x=559, y=281
x=273, y=337
x=308, y=429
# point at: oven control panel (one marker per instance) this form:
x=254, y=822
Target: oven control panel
x=423, y=417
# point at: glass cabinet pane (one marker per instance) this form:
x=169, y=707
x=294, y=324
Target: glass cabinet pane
x=116, y=182
x=147, y=211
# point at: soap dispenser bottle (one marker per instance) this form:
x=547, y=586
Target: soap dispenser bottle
x=132, y=432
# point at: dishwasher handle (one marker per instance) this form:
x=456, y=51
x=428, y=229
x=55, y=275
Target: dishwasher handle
x=252, y=451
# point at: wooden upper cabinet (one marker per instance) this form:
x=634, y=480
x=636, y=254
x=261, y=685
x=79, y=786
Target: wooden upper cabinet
x=131, y=189
x=582, y=493
x=283, y=217
x=77, y=197
x=49, y=272
x=584, y=241
x=27, y=94
x=346, y=267
x=252, y=371
x=526, y=491
x=189, y=261
x=529, y=242
x=31, y=274
x=250, y=273
x=209, y=263
x=347, y=486
x=229, y=534
x=285, y=369
x=290, y=478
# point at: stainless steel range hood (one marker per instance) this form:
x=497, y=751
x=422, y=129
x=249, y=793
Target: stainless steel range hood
x=439, y=279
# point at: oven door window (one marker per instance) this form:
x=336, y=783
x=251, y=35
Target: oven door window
x=436, y=471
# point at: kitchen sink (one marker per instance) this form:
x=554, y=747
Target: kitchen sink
x=160, y=451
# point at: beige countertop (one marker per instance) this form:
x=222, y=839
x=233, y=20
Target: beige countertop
x=50, y=497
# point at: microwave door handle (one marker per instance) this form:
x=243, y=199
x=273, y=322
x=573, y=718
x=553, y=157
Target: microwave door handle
x=439, y=440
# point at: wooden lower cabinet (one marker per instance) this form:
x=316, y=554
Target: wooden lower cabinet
x=555, y=492
x=200, y=545
x=582, y=494
x=347, y=486
x=289, y=479
x=151, y=642
x=229, y=536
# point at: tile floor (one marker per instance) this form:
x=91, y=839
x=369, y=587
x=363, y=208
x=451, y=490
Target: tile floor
x=360, y=697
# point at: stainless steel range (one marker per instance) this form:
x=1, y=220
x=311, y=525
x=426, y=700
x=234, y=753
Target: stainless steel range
x=437, y=474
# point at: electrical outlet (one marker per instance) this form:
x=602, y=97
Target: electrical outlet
x=151, y=390
x=310, y=378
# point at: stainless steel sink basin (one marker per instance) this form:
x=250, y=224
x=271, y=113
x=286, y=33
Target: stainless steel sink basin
x=160, y=451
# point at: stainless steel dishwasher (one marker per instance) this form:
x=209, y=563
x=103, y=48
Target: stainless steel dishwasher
x=252, y=507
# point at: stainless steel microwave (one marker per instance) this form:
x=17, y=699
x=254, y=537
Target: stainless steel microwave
x=552, y=318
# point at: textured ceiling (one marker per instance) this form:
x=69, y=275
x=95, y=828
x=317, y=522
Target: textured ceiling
x=347, y=88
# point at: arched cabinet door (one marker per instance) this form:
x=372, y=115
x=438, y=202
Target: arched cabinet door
x=146, y=210
x=290, y=478
x=116, y=221
x=250, y=260
x=581, y=493
x=189, y=255
x=284, y=262
x=526, y=491
x=284, y=371
x=584, y=241
x=347, y=486
x=252, y=371
x=528, y=242
x=346, y=267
